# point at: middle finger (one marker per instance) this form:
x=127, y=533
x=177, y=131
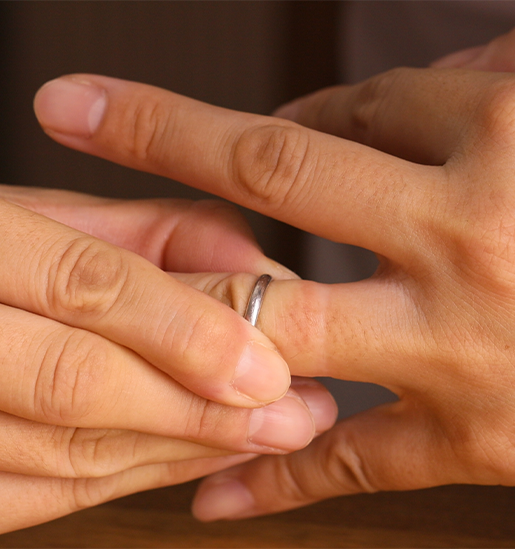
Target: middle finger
x=55, y=374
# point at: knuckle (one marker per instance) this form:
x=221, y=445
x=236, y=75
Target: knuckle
x=68, y=379
x=482, y=248
x=211, y=423
x=83, y=493
x=369, y=100
x=340, y=470
x=293, y=484
x=98, y=452
x=495, y=114
x=485, y=449
x=199, y=338
x=147, y=122
x=204, y=419
x=232, y=290
x=87, y=277
x=273, y=163
x=346, y=468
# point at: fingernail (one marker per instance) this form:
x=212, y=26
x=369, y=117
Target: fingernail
x=70, y=107
x=222, y=498
x=261, y=374
x=285, y=425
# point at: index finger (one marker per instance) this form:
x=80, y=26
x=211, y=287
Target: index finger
x=273, y=166
x=65, y=275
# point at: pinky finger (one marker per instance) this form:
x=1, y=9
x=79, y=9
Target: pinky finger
x=27, y=501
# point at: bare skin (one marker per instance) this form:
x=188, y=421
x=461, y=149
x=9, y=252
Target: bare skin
x=415, y=165
x=93, y=333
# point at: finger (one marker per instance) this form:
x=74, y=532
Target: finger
x=271, y=166
x=386, y=448
x=418, y=115
x=496, y=56
x=60, y=273
x=320, y=402
x=27, y=501
x=175, y=235
x=58, y=375
x=37, y=449
x=356, y=332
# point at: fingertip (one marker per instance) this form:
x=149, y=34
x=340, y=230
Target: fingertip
x=319, y=400
x=70, y=106
x=222, y=497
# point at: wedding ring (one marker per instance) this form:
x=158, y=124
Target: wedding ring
x=256, y=299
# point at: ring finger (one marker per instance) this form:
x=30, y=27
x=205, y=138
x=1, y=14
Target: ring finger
x=354, y=330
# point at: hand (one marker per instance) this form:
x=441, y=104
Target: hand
x=84, y=416
x=419, y=170
x=498, y=56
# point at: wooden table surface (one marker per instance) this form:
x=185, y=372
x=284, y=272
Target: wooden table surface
x=452, y=516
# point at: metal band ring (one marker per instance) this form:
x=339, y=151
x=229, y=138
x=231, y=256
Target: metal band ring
x=256, y=299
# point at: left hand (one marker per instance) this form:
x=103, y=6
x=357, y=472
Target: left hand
x=176, y=235
x=84, y=420
x=419, y=169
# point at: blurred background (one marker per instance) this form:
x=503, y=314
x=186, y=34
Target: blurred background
x=243, y=55
x=240, y=55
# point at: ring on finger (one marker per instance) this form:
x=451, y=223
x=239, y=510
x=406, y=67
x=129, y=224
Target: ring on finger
x=256, y=299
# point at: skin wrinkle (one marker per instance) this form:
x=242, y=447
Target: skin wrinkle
x=280, y=152
x=73, y=458
x=88, y=365
x=391, y=206
x=468, y=446
x=348, y=469
x=184, y=339
x=303, y=324
x=39, y=383
x=301, y=192
x=86, y=279
x=131, y=408
x=162, y=236
x=146, y=122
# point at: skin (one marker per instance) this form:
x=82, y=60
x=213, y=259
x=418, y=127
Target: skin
x=90, y=407
x=417, y=166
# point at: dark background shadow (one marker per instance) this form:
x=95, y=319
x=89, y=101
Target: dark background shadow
x=250, y=56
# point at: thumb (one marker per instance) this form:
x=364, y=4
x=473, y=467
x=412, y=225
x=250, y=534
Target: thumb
x=381, y=449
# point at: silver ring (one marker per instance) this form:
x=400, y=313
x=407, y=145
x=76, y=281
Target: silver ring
x=256, y=299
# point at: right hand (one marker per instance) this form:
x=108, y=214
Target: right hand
x=420, y=170
x=98, y=348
